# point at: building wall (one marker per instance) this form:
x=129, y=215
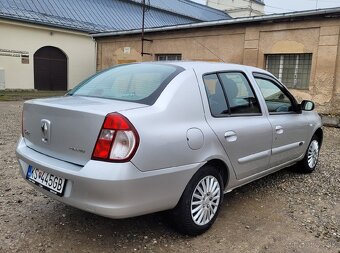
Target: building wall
x=245, y=44
x=18, y=38
x=238, y=8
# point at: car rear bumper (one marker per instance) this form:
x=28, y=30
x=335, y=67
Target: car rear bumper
x=115, y=190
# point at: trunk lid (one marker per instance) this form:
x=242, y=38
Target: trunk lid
x=67, y=128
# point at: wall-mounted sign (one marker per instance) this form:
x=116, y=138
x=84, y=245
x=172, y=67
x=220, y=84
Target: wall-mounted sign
x=127, y=50
x=12, y=53
x=25, y=59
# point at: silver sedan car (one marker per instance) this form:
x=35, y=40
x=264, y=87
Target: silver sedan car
x=148, y=137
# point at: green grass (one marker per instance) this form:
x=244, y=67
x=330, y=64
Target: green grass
x=20, y=95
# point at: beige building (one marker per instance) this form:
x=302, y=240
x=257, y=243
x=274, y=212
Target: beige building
x=302, y=49
x=238, y=8
x=41, y=57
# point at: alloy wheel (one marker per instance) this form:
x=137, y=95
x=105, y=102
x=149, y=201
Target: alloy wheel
x=205, y=200
x=313, y=153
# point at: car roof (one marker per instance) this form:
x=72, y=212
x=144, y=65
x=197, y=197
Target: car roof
x=206, y=67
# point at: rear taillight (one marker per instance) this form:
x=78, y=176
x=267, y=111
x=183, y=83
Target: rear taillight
x=117, y=141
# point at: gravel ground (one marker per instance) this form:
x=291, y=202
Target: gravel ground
x=283, y=212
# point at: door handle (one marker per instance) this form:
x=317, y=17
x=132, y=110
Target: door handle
x=279, y=129
x=230, y=136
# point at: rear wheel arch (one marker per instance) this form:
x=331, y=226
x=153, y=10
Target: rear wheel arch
x=222, y=169
x=220, y=166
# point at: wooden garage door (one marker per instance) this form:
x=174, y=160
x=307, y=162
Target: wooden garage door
x=50, y=69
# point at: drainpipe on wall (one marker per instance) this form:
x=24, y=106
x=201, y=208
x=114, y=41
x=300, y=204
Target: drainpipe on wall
x=95, y=53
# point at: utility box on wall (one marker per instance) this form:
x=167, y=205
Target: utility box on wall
x=2, y=79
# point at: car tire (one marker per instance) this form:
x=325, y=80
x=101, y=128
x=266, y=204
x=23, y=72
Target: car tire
x=310, y=160
x=199, y=205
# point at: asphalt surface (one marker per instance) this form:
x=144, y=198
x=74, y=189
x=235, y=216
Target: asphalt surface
x=284, y=212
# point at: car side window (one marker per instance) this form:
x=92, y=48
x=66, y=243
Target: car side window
x=277, y=101
x=217, y=102
x=240, y=96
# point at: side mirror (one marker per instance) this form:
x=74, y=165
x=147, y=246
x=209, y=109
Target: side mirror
x=307, y=105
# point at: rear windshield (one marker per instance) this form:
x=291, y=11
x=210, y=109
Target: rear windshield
x=141, y=83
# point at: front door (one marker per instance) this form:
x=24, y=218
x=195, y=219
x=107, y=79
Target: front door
x=237, y=120
x=289, y=126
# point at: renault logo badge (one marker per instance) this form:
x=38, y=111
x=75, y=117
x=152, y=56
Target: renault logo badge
x=45, y=130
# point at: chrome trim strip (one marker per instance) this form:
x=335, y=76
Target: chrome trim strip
x=254, y=157
x=287, y=147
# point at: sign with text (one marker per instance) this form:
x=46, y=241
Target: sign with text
x=12, y=53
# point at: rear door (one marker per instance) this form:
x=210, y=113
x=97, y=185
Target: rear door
x=237, y=120
x=289, y=125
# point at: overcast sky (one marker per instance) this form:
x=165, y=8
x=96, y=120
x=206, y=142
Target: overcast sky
x=278, y=6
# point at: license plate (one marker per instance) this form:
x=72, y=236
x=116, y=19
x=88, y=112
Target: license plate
x=46, y=180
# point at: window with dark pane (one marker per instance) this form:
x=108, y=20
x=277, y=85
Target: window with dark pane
x=217, y=102
x=277, y=101
x=293, y=70
x=168, y=57
x=240, y=96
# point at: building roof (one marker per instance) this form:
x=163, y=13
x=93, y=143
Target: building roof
x=190, y=8
x=107, y=15
x=259, y=2
x=297, y=15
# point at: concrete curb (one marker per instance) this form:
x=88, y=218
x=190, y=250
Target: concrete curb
x=330, y=120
